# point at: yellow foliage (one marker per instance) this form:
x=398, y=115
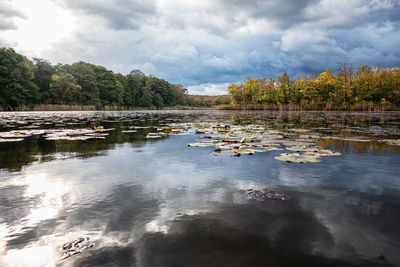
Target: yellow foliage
x=326, y=78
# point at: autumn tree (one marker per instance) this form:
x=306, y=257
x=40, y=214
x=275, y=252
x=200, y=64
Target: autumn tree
x=283, y=87
x=236, y=93
x=268, y=93
x=324, y=86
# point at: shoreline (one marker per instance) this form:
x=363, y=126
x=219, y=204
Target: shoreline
x=363, y=107
x=93, y=108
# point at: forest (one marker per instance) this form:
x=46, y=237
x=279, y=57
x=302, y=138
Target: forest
x=363, y=88
x=25, y=84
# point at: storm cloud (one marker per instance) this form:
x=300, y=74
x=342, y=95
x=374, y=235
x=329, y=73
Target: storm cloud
x=205, y=45
x=120, y=14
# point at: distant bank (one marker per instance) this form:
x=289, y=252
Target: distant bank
x=368, y=107
x=50, y=107
x=308, y=107
x=38, y=85
x=365, y=88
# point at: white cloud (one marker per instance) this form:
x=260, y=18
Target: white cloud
x=207, y=44
x=183, y=51
x=381, y=4
x=209, y=89
x=42, y=25
x=218, y=62
x=298, y=39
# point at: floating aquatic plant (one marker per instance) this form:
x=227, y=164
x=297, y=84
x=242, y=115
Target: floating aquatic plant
x=297, y=157
x=393, y=142
x=153, y=135
x=239, y=140
x=6, y=140
x=262, y=195
x=200, y=144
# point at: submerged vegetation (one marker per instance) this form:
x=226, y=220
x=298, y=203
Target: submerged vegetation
x=367, y=88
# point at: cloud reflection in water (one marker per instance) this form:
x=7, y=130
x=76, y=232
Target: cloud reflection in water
x=162, y=203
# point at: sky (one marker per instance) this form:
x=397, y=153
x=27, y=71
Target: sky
x=205, y=45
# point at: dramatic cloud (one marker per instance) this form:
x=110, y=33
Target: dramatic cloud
x=120, y=14
x=208, y=44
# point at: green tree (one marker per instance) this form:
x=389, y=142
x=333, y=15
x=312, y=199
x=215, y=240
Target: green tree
x=156, y=87
x=110, y=89
x=251, y=90
x=180, y=95
x=85, y=76
x=297, y=89
x=146, y=99
x=43, y=73
x=64, y=89
x=268, y=93
x=135, y=84
x=16, y=80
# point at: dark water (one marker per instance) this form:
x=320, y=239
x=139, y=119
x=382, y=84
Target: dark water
x=158, y=202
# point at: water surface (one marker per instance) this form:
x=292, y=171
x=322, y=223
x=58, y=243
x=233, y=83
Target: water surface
x=158, y=202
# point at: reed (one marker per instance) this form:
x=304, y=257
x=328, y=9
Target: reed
x=52, y=107
x=303, y=106
x=362, y=106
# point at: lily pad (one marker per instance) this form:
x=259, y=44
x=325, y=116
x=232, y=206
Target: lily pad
x=153, y=136
x=14, y=134
x=271, y=148
x=324, y=153
x=297, y=157
x=201, y=144
x=6, y=140
x=244, y=151
x=393, y=142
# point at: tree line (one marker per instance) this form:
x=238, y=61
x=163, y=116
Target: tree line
x=349, y=87
x=25, y=83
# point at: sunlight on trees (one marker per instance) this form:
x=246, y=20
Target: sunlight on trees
x=348, y=87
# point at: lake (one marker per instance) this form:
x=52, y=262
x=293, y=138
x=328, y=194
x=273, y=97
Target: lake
x=199, y=188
